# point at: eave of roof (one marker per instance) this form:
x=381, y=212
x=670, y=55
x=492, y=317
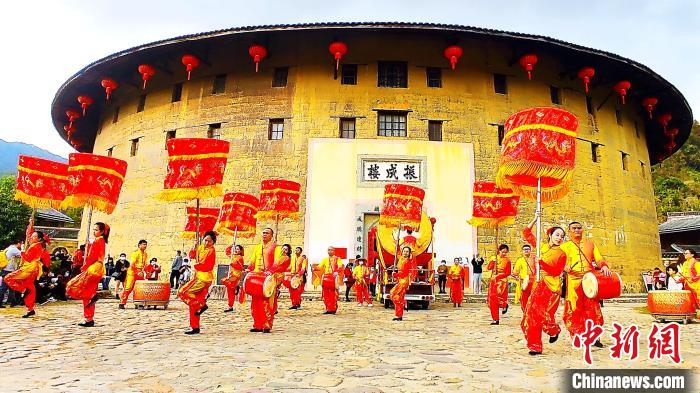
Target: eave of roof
x=683, y=121
x=680, y=224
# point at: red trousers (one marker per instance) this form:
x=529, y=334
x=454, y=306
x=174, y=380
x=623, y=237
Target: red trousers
x=362, y=293
x=231, y=292
x=22, y=280
x=497, y=297
x=586, y=309
x=525, y=295
x=330, y=299
x=295, y=295
x=194, y=295
x=88, y=311
x=456, y=291
x=539, y=316
x=263, y=310
x=84, y=287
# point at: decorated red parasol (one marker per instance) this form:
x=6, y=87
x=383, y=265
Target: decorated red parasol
x=41, y=182
x=538, y=156
x=195, y=171
x=237, y=216
x=401, y=208
x=279, y=200
x=207, y=221
x=94, y=182
x=493, y=206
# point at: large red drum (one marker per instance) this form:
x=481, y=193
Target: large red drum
x=259, y=284
x=670, y=303
x=291, y=280
x=597, y=285
x=329, y=281
x=151, y=293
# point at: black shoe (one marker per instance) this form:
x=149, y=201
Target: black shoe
x=193, y=331
x=255, y=330
x=535, y=353
x=329, y=312
x=266, y=331
x=459, y=304
x=277, y=312
x=293, y=308
x=598, y=344
x=505, y=310
x=553, y=339
x=495, y=323
x=228, y=309
x=87, y=324
x=92, y=301
x=121, y=307
x=116, y=297
x=397, y=319
x=29, y=314
x=2, y=306
x=200, y=312
x=454, y=305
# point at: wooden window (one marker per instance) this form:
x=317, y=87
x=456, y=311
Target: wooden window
x=214, y=131
x=115, y=116
x=434, y=76
x=177, y=93
x=219, y=85
x=595, y=152
x=168, y=136
x=636, y=129
x=500, y=84
x=142, y=103
x=589, y=106
x=555, y=95
x=280, y=77
x=643, y=168
x=625, y=161
x=618, y=116
x=501, y=133
x=434, y=130
x=391, y=123
x=134, y=147
x=347, y=127
x=392, y=74
x=276, y=129
x=109, y=152
x=348, y=74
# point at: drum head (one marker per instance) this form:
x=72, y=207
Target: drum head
x=295, y=282
x=590, y=285
x=526, y=282
x=269, y=286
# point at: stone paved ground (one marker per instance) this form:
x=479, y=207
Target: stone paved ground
x=358, y=350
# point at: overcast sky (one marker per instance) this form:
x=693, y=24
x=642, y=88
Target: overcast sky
x=44, y=43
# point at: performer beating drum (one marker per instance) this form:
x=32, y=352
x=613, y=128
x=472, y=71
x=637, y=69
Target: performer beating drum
x=297, y=280
x=234, y=277
x=523, y=272
x=262, y=259
x=331, y=267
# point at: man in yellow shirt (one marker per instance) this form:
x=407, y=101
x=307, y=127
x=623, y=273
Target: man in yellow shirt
x=135, y=273
x=331, y=265
x=582, y=256
x=262, y=258
x=298, y=268
x=497, y=295
x=361, y=275
x=521, y=271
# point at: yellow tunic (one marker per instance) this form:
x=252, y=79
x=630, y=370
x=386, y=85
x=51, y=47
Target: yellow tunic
x=521, y=271
x=327, y=267
x=138, y=261
x=578, y=264
x=686, y=271
x=359, y=273
x=294, y=264
x=256, y=257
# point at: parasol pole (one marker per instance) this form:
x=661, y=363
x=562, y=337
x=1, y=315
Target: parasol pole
x=539, y=224
x=277, y=225
x=233, y=246
x=30, y=229
x=398, y=239
x=87, y=230
x=196, y=237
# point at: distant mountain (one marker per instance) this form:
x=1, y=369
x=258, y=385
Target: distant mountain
x=10, y=151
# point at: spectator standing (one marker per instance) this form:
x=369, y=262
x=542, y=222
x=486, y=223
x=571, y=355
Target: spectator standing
x=648, y=280
x=349, y=279
x=185, y=271
x=477, y=269
x=373, y=281
x=175, y=270
x=77, y=260
x=667, y=265
x=120, y=269
x=442, y=276
x=13, y=256
x=674, y=279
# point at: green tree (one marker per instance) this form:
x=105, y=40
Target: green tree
x=14, y=215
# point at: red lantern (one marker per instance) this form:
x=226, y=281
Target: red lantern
x=649, y=104
x=257, y=52
x=664, y=118
x=109, y=85
x=621, y=88
x=670, y=145
x=146, y=71
x=69, y=129
x=586, y=73
x=72, y=115
x=671, y=133
x=660, y=157
x=528, y=63
x=190, y=62
x=453, y=53
x=433, y=220
x=85, y=102
x=338, y=49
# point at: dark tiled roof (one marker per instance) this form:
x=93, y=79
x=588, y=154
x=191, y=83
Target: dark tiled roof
x=53, y=215
x=686, y=223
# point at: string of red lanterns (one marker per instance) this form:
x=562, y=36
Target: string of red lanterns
x=664, y=119
x=621, y=88
x=85, y=102
x=190, y=62
x=586, y=73
x=109, y=85
x=528, y=62
x=257, y=52
x=146, y=71
x=649, y=103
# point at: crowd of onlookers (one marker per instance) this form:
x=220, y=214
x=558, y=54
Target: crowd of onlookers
x=658, y=279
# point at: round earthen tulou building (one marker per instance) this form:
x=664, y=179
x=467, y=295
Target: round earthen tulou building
x=394, y=110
